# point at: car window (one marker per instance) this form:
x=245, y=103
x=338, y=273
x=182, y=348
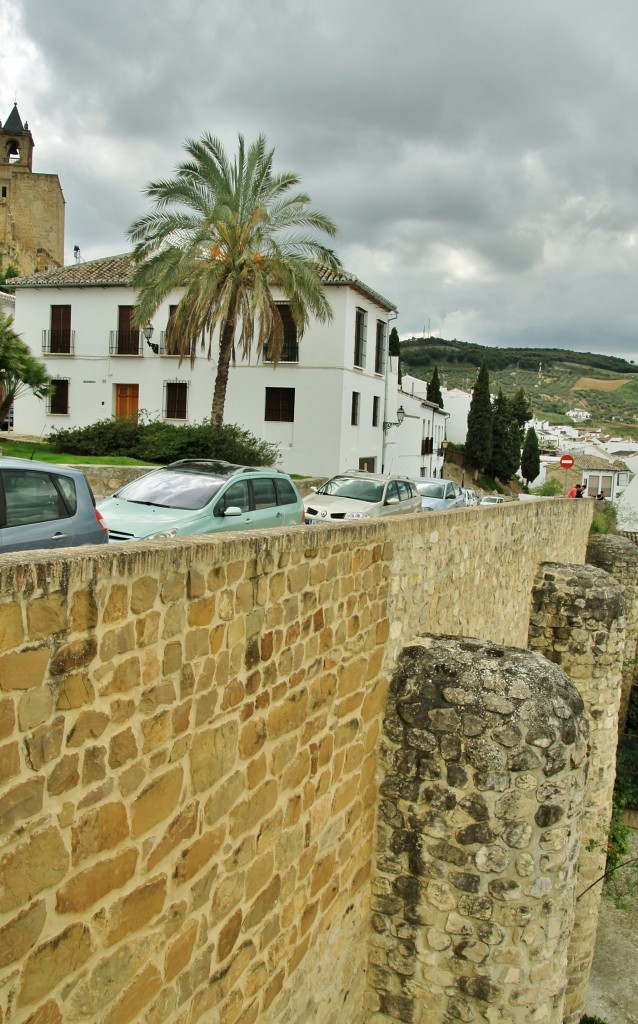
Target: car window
x=431, y=490
x=171, y=488
x=404, y=490
x=67, y=486
x=264, y=492
x=235, y=495
x=33, y=498
x=392, y=491
x=285, y=492
x=353, y=487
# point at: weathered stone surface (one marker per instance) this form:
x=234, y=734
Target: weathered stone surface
x=32, y=867
x=157, y=801
x=21, y=934
x=92, y=885
x=53, y=961
x=22, y=670
x=136, y=909
x=99, y=830
x=212, y=755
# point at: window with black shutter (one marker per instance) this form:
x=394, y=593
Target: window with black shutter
x=379, y=352
x=280, y=405
x=175, y=399
x=354, y=415
x=59, y=398
x=290, y=350
x=360, y=333
x=60, y=334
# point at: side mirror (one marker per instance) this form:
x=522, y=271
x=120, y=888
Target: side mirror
x=233, y=510
x=392, y=501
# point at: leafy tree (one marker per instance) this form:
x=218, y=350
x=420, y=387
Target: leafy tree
x=521, y=409
x=506, y=451
x=5, y=275
x=478, y=443
x=434, y=389
x=20, y=371
x=531, y=457
x=394, y=348
x=229, y=233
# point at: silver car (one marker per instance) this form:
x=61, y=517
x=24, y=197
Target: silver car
x=437, y=494
x=43, y=505
x=357, y=495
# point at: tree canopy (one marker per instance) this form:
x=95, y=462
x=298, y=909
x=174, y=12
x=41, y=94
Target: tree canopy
x=531, y=457
x=478, y=442
x=433, y=392
x=236, y=237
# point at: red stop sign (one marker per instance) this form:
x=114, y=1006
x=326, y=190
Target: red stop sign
x=567, y=461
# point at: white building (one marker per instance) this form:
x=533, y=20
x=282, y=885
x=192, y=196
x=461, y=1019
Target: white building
x=7, y=304
x=324, y=405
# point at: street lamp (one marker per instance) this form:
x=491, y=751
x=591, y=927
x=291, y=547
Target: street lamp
x=147, y=331
x=399, y=420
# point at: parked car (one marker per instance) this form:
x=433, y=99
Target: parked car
x=192, y=497
x=437, y=494
x=358, y=495
x=43, y=505
x=492, y=499
x=471, y=497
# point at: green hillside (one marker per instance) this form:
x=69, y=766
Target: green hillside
x=554, y=379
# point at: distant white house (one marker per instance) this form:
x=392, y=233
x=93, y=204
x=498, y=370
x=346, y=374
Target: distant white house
x=324, y=405
x=579, y=415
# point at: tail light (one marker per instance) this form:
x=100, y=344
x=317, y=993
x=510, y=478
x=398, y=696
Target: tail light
x=100, y=519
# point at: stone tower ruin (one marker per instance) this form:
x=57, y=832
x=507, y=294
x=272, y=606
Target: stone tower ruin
x=31, y=205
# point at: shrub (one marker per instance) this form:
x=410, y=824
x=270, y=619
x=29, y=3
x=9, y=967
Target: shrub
x=550, y=489
x=156, y=441
x=605, y=518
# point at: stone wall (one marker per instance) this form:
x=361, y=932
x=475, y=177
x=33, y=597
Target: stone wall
x=188, y=757
x=484, y=757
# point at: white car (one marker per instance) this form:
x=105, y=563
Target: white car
x=492, y=499
x=437, y=494
x=471, y=497
x=357, y=495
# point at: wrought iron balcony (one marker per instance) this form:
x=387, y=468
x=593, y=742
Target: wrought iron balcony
x=125, y=343
x=58, y=342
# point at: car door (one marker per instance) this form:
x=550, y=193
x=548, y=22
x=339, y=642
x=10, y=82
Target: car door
x=391, y=500
x=36, y=513
x=267, y=511
x=235, y=495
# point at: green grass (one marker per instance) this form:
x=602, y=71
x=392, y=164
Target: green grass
x=44, y=453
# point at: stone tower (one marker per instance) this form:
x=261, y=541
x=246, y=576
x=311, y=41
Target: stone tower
x=31, y=205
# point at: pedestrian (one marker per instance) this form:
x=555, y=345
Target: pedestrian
x=575, y=492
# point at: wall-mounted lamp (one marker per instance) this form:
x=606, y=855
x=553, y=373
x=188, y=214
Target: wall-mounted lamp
x=147, y=331
x=399, y=420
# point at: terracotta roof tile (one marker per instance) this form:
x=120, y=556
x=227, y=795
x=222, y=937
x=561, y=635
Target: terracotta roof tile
x=117, y=270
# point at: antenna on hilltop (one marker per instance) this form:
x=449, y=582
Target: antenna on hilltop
x=76, y=254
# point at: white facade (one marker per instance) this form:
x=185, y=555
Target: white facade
x=7, y=304
x=339, y=407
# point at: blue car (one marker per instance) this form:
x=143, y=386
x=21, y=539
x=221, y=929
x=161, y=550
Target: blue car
x=437, y=494
x=43, y=505
x=192, y=497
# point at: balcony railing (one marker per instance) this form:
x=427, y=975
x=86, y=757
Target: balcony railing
x=163, y=349
x=59, y=343
x=288, y=354
x=125, y=343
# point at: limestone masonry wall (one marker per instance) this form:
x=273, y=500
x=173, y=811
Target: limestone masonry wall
x=189, y=736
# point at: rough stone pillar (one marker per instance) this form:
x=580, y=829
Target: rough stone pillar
x=577, y=622
x=619, y=557
x=484, y=759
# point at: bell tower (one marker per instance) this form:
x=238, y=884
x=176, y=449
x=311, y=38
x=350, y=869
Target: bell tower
x=31, y=205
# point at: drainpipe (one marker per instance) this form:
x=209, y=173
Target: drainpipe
x=385, y=417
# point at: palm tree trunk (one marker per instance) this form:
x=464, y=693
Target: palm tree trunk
x=221, y=380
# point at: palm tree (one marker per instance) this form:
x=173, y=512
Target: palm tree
x=229, y=234
x=20, y=371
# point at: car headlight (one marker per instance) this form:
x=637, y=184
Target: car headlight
x=163, y=534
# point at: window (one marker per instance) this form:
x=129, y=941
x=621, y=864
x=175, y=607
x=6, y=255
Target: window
x=58, y=401
x=392, y=492
x=354, y=415
x=285, y=492
x=290, y=349
x=235, y=496
x=175, y=399
x=264, y=492
x=280, y=405
x=164, y=351
x=379, y=352
x=360, y=334
x=4, y=191
x=59, y=337
x=127, y=340
x=376, y=405
x=37, y=497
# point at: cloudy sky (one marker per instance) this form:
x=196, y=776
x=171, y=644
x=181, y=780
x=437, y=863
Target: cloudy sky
x=480, y=157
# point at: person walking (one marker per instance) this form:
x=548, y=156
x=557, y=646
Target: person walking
x=575, y=492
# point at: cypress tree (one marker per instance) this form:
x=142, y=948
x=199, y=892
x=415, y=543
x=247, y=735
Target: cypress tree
x=521, y=410
x=433, y=392
x=502, y=461
x=531, y=458
x=478, y=443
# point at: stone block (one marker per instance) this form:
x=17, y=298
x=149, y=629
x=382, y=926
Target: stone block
x=22, y=801
x=23, y=670
x=130, y=913
x=92, y=885
x=101, y=829
x=157, y=801
x=212, y=755
x=50, y=963
x=11, y=628
x=47, y=616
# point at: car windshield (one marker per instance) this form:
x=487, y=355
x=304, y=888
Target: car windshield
x=172, y=488
x=353, y=487
x=431, y=490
